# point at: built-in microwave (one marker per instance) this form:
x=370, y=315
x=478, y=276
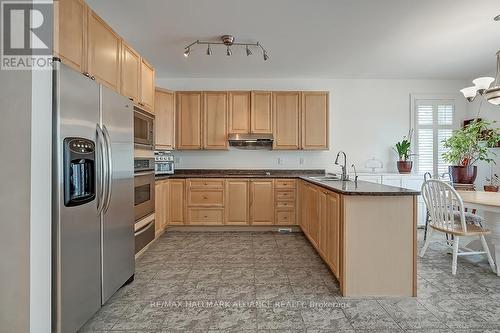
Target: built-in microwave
x=143, y=129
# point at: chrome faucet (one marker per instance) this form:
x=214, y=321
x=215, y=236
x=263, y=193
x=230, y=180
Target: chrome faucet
x=344, y=166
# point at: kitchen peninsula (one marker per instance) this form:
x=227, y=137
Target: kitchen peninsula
x=365, y=232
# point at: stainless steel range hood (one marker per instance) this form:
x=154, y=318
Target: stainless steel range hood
x=251, y=141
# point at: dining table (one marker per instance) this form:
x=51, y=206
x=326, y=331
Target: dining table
x=488, y=203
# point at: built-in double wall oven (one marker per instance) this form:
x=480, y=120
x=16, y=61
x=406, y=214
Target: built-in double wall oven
x=144, y=201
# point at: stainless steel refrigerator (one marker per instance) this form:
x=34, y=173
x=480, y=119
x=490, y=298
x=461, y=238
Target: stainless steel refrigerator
x=93, y=198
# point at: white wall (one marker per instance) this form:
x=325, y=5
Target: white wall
x=492, y=113
x=366, y=118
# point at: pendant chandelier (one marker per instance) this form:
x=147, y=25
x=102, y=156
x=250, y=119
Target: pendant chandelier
x=483, y=86
x=227, y=41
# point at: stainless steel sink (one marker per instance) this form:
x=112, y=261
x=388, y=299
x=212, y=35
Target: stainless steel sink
x=325, y=178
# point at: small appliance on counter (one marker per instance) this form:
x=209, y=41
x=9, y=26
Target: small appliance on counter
x=164, y=162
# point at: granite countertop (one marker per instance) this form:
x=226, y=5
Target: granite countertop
x=342, y=187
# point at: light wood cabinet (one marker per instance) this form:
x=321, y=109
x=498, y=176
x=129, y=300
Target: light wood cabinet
x=312, y=208
x=286, y=120
x=261, y=202
x=103, y=60
x=131, y=66
x=161, y=205
x=261, y=114
x=237, y=201
x=215, y=120
x=147, y=86
x=70, y=24
x=176, y=201
x=205, y=201
x=239, y=112
x=333, y=232
x=314, y=121
x=189, y=119
x=164, y=119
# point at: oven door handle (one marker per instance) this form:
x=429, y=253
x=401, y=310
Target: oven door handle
x=145, y=228
x=145, y=173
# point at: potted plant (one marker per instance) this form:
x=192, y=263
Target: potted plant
x=403, y=149
x=493, y=183
x=468, y=145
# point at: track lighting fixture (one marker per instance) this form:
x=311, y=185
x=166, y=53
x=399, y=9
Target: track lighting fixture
x=228, y=41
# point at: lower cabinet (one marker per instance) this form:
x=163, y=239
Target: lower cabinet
x=176, y=201
x=237, y=210
x=161, y=206
x=261, y=202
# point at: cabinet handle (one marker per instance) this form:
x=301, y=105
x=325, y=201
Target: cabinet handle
x=205, y=197
x=86, y=74
x=92, y=77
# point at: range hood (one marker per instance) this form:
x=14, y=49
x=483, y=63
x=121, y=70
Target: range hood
x=251, y=141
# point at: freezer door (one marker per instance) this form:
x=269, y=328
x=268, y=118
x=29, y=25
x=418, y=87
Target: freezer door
x=117, y=220
x=76, y=229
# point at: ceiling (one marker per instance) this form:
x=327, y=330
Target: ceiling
x=393, y=39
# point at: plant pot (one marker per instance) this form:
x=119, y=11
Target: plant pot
x=491, y=188
x=463, y=174
x=405, y=166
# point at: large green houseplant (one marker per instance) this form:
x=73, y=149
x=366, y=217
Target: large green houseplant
x=469, y=145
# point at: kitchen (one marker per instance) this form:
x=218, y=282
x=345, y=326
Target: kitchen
x=226, y=169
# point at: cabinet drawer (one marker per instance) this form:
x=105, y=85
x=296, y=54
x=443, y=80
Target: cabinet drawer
x=206, y=183
x=285, y=183
x=285, y=204
x=285, y=195
x=285, y=217
x=206, y=198
x=205, y=216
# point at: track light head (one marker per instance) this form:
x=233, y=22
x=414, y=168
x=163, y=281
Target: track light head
x=186, y=52
x=228, y=51
x=266, y=57
x=209, y=50
x=248, y=51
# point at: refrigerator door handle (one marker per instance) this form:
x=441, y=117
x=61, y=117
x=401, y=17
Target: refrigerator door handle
x=101, y=175
x=109, y=173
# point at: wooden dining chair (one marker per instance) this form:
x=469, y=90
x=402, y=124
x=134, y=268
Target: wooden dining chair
x=447, y=215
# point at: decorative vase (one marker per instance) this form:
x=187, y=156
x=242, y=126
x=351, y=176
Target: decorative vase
x=463, y=174
x=491, y=188
x=405, y=166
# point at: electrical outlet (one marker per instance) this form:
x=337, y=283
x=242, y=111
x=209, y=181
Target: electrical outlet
x=301, y=161
x=280, y=160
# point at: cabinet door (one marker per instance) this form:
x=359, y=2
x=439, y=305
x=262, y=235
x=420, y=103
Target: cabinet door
x=70, y=17
x=261, y=114
x=286, y=117
x=261, y=202
x=239, y=111
x=164, y=119
x=160, y=205
x=215, y=120
x=131, y=62
x=236, y=201
x=314, y=126
x=103, y=52
x=302, y=196
x=188, y=114
x=333, y=230
x=313, y=213
x=323, y=240
x=147, y=88
x=176, y=201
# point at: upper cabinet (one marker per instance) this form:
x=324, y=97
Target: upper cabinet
x=314, y=128
x=103, y=52
x=131, y=67
x=83, y=41
x=215, y=120
x=70, y=24
x=286, y=118
x=147, y=86
x=239, y=111
x=189, y=119
x=164, y=119
x=261, y=112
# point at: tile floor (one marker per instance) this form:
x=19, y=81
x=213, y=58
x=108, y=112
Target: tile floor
x=270, y=282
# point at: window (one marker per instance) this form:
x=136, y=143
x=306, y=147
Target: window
x=434, y=121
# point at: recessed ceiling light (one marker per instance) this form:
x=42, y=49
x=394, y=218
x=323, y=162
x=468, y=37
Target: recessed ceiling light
x=497, y=18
